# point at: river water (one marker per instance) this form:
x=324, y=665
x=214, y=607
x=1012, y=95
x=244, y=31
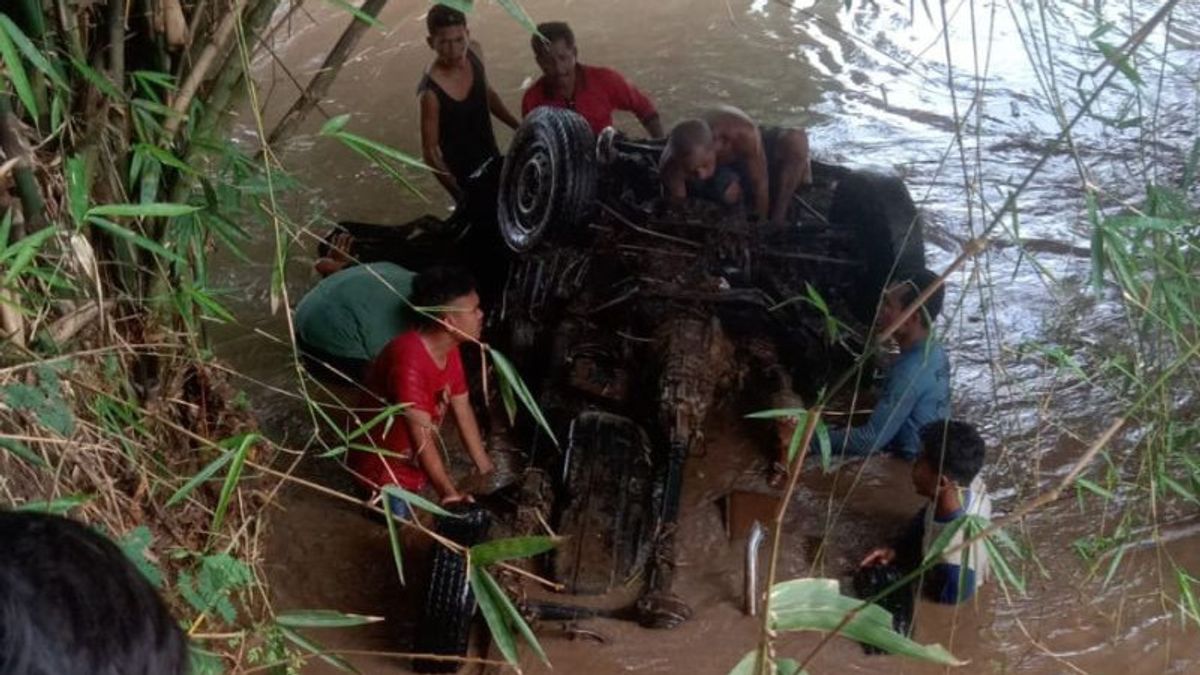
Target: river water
x=873, y=85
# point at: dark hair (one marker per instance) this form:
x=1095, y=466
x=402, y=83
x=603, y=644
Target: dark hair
x=71, y=603
x=441, y=16
x=953, y=448
x=437, y=287
x=686, y=137
x=551, y=31
x=914, y=286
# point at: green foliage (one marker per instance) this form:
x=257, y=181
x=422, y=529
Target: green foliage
x=136, y=546
x=502, y=616
x=749, y=665
x=501, y=550
x=816, y=604
x=22, y=451
x=214, y=582
x=323, y=618
x=43, y=400
x=511, y=385
x=57, y=507
x=389, y=159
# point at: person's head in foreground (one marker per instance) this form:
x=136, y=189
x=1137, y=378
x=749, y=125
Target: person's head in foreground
x=951, y=456
x=71, y=603
x=555, y=52
x=448, y=300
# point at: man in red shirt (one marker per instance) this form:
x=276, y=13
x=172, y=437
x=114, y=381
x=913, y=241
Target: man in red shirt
x=591, y=91
x=422, y=369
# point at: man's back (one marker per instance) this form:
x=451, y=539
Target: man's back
x=353, y=313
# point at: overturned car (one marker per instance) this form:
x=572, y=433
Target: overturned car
x=630, y=320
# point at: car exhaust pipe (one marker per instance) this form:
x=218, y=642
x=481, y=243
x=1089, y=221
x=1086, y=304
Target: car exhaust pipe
x=757, y=534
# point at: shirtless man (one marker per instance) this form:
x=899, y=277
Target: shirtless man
x=726, y=157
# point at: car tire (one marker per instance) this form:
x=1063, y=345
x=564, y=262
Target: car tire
x=607, y=518
x=549, y=182
x=449, y=610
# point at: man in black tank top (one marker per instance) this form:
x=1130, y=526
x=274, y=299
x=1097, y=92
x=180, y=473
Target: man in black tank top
x=456, y=106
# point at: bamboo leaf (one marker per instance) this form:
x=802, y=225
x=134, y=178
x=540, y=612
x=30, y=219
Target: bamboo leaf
x=417, y=500
x=509, y=377
x=323, y=618
x=151, y=210
x=97, y=80
x=232, y=478
x=202, y=476
x=816, y=604
x=358, y=13
x=749, y=666
x=508, y=615
x=1121, y=61
x=57, y=507
x=16, y=72
x=775, y=413
x=23, y=253
x=134, y=238
x=30, y=52
x=1094, y=488
x=513, y=548
x=334, y=124
x=489, y=606
x=516, y=11
x=77, y=189
x=19, y=449
x=393, y=538
x=317, y=650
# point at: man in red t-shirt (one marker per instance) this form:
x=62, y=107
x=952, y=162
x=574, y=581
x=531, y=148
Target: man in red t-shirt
x=591, y=91
x=422, y=369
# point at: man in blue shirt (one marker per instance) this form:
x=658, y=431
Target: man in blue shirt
x=916, y=388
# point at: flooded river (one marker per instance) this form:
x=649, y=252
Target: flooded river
x=878, y=85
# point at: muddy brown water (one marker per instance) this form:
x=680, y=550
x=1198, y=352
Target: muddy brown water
x=870, y=83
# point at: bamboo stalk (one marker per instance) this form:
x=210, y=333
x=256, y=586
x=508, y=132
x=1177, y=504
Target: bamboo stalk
x=27, y=188
x=217, y=45
x=321, y=82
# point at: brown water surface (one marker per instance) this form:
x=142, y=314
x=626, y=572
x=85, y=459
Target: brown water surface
x=871, y=85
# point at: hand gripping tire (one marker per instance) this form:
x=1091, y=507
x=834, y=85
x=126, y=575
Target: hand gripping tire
x=550, y=179
x=445, y=628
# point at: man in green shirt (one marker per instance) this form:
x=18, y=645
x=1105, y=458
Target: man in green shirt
x=350, y=315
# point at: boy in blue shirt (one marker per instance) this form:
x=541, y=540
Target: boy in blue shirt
x=916, y=388
x=947, y=473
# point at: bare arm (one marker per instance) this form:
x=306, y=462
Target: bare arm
x=497, y=108
x=755, y=158
x=430, y=149
x=468, y=429
x=674, y=184
x=653, y=126
x=421, y=430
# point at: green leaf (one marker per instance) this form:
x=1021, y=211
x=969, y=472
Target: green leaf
x=1097, y=243
x=23, y=252
x=816, y=604
x=1094, y=488
x=502, y=616
x=510, y=378
x=97, y=80
x=776, y=413
x=513, y=548
x=394, y=539
x=57, y=507
x=417, y=501
x=358, y=13
x=245, y=441
x=77, y=189
x=16, y=72
x=152, y=210
x=317, y=650
x=204, y=662
x=516, y=11
x=134, y=545
x=202, y=476
x=334, y=124
x=135, y=238
x=323, y=618
x=21, y=450
x=749, y=662
x=1121, y=61
x=30, y=52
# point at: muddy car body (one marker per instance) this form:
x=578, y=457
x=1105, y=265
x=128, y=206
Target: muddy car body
x=630, y=320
